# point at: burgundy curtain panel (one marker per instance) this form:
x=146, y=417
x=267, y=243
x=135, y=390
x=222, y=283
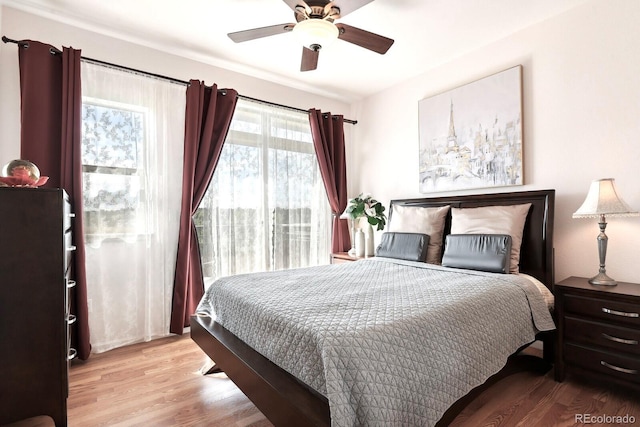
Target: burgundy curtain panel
x=207, y=118
x=51, y=123
x=328, y=140
x=40, y=119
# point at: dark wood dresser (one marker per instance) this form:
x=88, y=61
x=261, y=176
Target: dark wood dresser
x=598, y=331
x=35, y=254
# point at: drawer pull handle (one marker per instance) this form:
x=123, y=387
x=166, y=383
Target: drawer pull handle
x=71, y=284
x=619, y=313
x=71, y=319
x=72, y=354
x=72, y=215
x=73, y=248
x=619, y=369
x=620, y=340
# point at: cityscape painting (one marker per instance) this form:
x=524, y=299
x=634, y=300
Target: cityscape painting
x=471, y=136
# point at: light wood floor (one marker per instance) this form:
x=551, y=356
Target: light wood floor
x=159, y=384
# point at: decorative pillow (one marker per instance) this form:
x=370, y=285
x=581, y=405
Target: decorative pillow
x=429, y=221
x=409, y=246
x=507, y=219
x=484, y=252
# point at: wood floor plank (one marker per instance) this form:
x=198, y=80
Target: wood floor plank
x=159, y=384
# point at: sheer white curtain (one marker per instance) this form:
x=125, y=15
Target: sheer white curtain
x=133, y=133
x=266, y=207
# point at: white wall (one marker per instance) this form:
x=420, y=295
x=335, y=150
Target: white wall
x=581, y=92
x=19, y=25
x=581, y=75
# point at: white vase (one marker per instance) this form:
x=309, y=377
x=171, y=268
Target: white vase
x=370, y=249
x=360, y=243
x=352, y=238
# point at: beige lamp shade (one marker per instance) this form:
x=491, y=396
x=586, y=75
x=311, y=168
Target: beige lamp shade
x=603, y=199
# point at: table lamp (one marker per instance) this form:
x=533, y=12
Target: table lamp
x=601, y=201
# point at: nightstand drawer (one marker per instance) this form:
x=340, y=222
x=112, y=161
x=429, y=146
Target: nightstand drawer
x=616, y=311
x=602, y=335
x=611, y=364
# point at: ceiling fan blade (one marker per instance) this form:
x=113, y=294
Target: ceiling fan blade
x=294, y=3
x=348, y=6
x=256, y=33
x=309, y=59
x=365, y=39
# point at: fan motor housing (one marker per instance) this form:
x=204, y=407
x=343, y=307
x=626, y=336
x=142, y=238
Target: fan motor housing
x=317, y=12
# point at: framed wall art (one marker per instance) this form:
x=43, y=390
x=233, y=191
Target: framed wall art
x=471, y=136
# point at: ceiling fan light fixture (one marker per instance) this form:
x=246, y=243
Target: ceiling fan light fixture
x=315, y=31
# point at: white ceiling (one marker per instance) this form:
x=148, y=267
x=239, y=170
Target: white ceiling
x=427, y=33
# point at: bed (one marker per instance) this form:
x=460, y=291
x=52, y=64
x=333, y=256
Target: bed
x=394, y=364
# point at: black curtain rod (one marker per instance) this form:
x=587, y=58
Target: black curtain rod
x=55, y=51
x=353, y=122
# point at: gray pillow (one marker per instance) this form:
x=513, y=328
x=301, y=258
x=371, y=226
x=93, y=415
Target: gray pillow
x=407, y=246
x=484, y=252
x=507, y=219
x=418, y=219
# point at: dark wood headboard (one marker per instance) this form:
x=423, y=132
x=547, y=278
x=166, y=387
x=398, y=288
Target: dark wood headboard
x=536, y=252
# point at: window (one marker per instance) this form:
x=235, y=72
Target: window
x=113, y=138
x=266, y=207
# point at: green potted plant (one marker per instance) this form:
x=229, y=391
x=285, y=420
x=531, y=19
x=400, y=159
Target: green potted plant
x=366, y=206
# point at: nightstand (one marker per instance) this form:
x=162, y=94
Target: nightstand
x=598, y=331
x=340, y=257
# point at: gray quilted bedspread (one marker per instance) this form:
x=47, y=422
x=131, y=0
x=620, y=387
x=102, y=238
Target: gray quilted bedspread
x=388, y=342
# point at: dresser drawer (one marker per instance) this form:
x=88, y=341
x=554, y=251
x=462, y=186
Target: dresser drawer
x=606, y=309
x=67, y=216
x=602, y=335
x=611, y=364
x=68, y=251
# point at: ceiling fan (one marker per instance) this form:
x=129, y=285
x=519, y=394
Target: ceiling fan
x=316, y=27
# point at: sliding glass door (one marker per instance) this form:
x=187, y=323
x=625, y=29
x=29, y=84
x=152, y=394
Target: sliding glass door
x=266, y=207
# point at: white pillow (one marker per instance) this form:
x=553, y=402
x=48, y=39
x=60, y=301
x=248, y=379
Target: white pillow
x=416, y=219
x=493, y=220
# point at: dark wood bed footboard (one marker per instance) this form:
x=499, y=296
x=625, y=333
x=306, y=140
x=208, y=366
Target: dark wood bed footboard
x=287, y=402
x=277, y=394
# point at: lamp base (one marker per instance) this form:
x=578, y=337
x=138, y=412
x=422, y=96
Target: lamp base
x=601, y=279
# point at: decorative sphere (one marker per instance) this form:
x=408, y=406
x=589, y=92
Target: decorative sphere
x=21, y=168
